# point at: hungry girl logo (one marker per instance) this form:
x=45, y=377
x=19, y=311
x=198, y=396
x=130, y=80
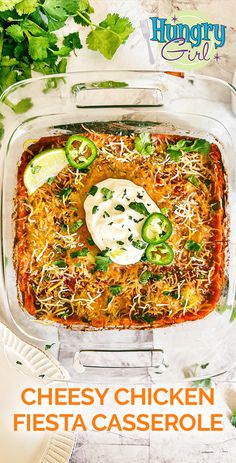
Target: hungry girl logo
x=188, y=40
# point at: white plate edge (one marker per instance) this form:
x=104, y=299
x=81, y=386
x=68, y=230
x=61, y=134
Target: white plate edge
x=61, y=443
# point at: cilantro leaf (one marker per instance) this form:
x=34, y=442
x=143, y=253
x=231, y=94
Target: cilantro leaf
x=59, y=9
x=80, y=253
x=23, y=105
x=109, y=35
x=93, y=190
x=144, y=277
x=72, y=41
x=90, y=241
x=29, y=26
x=121, y=26
x=55, y=24
x=60, y=264
x=199, y=146
x=192, y=245
x=115, y=289
x=102, y=263
x=7, y=4
x=15, y=31
x=143, y=144
x=86, y=9
x=107, y=194
x=76, y=225
x=139, y=207
x=38, y=48
x=63, y=51
x=65, y=192
x=56, y=9
x=103, y=40
x=233, y=419
x=175, y=155
x=138, y=244
x=26, y=6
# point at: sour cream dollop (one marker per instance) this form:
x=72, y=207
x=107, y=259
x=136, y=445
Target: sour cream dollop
x=112, y=224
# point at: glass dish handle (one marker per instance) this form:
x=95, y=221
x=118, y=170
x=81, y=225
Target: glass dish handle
x=114, y=93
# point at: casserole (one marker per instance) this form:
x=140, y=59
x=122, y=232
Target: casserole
x=155, y=102
x=93, y=249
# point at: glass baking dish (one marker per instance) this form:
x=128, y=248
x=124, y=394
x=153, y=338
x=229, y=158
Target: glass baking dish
x=122, y=101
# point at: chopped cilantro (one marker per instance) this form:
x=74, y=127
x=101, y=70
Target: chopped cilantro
x=138, y=220
x=76, y=225
x=138, y=244
x=144, y=277
x=139, y=207
x=193, y=179
x=60, y=249
x=64, y=227
x=60, y=263
x=102, y=263
x=120, y=242
x=115, y=289
x=19, y=363
x=65, y=192
x=143, y=144
x=233, y=419
x=192, y=245
x=95, y=209
x=80, y=252
x=72, y=41
x=50, y=180
x=65, y=314
x=78, y=264
x=172, y=294
x=198, y=146
x=119, y=207
x=90, y=241
x=93, y=190
x=107, y=194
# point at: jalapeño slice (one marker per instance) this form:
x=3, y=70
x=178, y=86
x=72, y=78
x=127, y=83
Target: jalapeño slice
x=80, y=151
x=160, y=254
x=156, y=229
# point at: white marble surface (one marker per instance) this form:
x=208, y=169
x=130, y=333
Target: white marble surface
x=161, y=448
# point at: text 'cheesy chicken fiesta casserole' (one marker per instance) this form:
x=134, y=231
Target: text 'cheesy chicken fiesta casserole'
x=120, y=231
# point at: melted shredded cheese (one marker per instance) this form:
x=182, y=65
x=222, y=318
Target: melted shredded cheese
x=56, y=286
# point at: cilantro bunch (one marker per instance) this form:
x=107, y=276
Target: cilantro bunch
x=28, y=40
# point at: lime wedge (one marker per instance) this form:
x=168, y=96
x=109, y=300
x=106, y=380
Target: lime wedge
x=44, y=166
